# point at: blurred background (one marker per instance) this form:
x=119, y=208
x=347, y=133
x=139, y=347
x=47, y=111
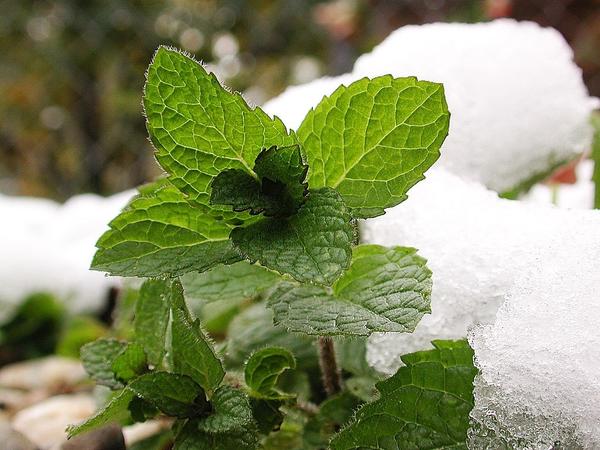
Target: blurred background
x=72, y=71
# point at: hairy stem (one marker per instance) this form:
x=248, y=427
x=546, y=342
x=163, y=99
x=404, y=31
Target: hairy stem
x=332, y=378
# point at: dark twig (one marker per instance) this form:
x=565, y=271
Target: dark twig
x=332, y=378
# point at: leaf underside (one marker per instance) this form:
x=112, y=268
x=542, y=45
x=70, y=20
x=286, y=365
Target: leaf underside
x=115, y=410
x=152, y=317
x=238, y=281
x=192, y=353
x=98, y=358
x=384, y=290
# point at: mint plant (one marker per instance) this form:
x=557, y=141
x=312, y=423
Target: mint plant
x=256, y=220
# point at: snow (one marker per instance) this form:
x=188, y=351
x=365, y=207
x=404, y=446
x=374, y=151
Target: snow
x=48, y=247
x=517, y=101
x=477, y=245
x=525, y=278
x=539, y=361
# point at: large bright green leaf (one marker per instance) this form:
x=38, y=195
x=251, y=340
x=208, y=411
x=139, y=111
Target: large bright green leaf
x=160, y=233
x=374, y=139
x=174, y=394
x=263, y=369
x=152, y=317
x=116, y=410
x=192, y=352
x=385, y=289
x=241, y=280
x=199, y=128
x=313, y=245
x=425, y=405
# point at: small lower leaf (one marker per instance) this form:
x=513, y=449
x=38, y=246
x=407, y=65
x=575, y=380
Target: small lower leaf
x=263, y=369
x=425, y=405
x=313, y=245
x=175, y=395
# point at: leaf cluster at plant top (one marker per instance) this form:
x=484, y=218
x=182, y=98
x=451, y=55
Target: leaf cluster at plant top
x=240, y=186
x=249, y=211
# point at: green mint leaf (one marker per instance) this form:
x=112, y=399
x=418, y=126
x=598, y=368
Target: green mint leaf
x=141, y=410
x=253, y=329
x=279, y=190
x=199, y=128
x=241, y=191
x=174, y=394
x=314, y=245
x=374, y=139
x=289, y=434
x=425, y=405
x=191, y=437
x=192, y=352
x=333, y=413
x=130, y=363
x=283, y=175
x=385, y=289
x=152, y=317
x=267, y=414
x=239, y=281
x=263, y=369
x=116, y=410
x=231, y=412
x=160, y=233
x=98, y=358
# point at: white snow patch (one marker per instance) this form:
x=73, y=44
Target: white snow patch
x=517, y=101
x=477, y=245
x=48, y=247
x=539, y=362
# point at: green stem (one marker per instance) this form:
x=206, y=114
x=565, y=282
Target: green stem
x=332, y=378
